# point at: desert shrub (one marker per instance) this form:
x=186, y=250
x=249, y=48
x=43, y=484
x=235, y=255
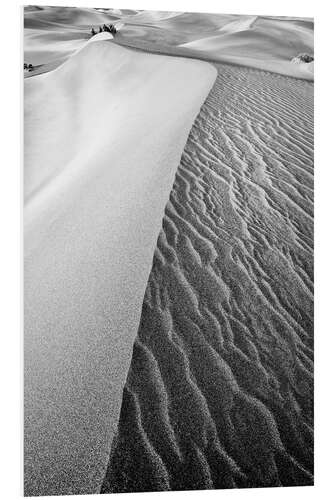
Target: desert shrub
x=306, y=58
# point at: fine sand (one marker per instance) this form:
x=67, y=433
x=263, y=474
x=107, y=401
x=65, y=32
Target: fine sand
x=220, y=389
x=168, y=252
x=104, y=134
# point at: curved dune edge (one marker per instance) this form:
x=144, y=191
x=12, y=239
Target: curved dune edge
x=104, y=133
x=302, y=71
x=220, y=389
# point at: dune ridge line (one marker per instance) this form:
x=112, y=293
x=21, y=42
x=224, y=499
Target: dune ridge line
x=94, y=209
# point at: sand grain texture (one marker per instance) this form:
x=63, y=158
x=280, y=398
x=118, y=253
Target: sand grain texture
x=220, y=389
x=104, y=134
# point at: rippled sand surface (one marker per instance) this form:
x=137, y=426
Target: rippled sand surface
x=220, y=389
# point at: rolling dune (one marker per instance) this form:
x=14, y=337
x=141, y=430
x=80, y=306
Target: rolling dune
x=99, y=166
x=220, y=389
x=262, y=42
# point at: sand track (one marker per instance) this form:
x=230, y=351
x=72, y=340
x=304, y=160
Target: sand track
x=220, y=389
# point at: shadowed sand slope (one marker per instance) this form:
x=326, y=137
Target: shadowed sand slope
x=104, y=134
x=219, y=392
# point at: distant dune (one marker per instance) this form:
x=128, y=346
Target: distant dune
x=67, y=16
x=263, y=42
x=104, y=134
x=150, y=17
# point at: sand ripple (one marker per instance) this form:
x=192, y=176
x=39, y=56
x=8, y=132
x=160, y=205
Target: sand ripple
x=220, y=388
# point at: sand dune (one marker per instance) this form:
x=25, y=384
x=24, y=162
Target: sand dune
x=190, y=358
x=99, y=167
x=191, y=23
x=236, y=25
x=53, y=34
x=220, y=392
x=288, y=68
x=151, y=17
x=67, y=16
x=255, y=41
x=122, y=12
x=262, y=42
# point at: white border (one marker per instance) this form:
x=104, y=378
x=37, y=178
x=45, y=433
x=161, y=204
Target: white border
x=10, y=210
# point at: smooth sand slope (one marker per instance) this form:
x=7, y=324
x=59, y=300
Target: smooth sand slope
x=220, y=388
x=104, y=134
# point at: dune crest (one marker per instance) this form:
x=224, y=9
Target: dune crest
x=104, y=133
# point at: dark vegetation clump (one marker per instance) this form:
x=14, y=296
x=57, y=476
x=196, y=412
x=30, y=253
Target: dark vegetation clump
x=110, y=28
x=305, y=58
x=28, y=67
